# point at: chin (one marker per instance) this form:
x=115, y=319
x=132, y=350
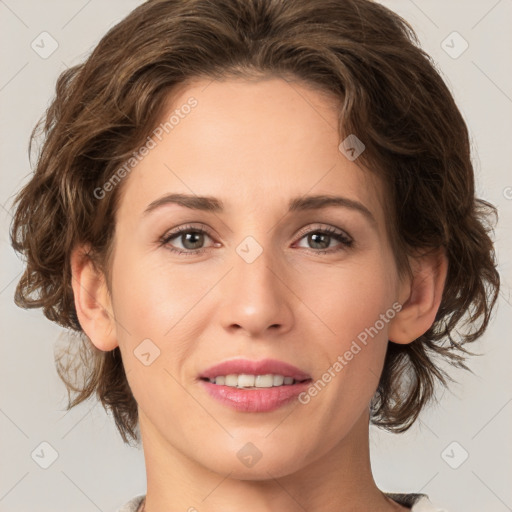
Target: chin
x=249, y=463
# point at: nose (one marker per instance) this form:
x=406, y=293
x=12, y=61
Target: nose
x=257, y=296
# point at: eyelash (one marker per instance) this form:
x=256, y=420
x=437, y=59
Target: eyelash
x=341, y=237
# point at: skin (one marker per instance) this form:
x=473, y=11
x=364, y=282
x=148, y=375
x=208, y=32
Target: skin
x=254, y=145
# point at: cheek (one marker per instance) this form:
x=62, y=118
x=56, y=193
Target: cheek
x=351, y=298
x=151, y=296
x=159, y=311
x=154, y=332
x=356, y=305
x=348, y=359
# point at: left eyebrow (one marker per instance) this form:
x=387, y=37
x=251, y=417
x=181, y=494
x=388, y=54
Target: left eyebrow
x=325, y=201
x=301, y=203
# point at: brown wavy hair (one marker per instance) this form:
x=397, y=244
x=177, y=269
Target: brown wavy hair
x=390, y=95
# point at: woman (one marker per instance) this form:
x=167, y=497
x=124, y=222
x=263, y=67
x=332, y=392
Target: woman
x=260, y=214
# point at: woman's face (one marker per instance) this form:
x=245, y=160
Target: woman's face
x=262, y=281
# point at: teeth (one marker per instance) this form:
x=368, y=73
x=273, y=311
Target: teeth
x=278, y=380
x=263, y=381
x=231, y=380
x=252, y=381
x=244, y=381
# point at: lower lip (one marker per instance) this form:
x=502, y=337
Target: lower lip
x=255, y=400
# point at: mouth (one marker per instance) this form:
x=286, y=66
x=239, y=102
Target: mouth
x=247, y=373
x=248, y=381
x=254, y=386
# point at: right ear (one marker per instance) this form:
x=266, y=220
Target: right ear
x=92, y=300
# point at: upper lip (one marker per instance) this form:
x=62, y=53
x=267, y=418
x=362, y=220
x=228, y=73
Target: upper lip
x=262, y=367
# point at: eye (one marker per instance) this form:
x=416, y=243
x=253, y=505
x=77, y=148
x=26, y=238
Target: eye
x=191, y=238
x=321, y=240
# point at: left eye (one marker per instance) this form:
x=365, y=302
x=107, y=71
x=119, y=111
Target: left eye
x=192, y=240
x=323, y=237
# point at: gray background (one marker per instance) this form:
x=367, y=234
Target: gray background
x=94, y=470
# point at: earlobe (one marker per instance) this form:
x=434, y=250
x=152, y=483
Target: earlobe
x=421, y=296
x=92, y=300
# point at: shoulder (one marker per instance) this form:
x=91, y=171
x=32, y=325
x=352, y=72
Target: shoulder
x=133, y=504
x=418, y=502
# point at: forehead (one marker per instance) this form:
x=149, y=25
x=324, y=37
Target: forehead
x=251, y=143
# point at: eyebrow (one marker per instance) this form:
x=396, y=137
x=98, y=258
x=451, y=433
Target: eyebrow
x=302, y=203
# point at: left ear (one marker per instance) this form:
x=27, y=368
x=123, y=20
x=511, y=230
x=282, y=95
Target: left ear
x=420, y=297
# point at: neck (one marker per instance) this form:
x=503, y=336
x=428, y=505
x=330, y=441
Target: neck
x=338, y=480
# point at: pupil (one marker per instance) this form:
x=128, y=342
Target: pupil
x=315, y=241
x=191, y=235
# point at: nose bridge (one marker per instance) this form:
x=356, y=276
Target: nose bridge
x=256, y=265
x=256, y=297
x=256, y=251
